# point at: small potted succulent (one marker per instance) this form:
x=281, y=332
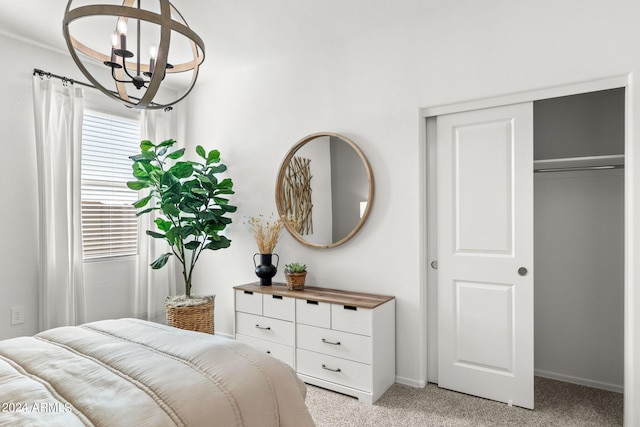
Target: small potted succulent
x=295, y=273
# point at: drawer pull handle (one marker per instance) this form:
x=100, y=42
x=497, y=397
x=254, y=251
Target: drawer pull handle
x=264, y=328
x=248, y=293
x=312, y=302
x=329, y=342
x=351, y=307
x=330, y=369
x=276, y=296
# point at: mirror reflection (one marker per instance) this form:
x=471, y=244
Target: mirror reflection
x=325, y=188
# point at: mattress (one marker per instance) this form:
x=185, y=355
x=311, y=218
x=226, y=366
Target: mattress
x=129, y=372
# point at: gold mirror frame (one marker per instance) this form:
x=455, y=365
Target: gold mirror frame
x=280, y=191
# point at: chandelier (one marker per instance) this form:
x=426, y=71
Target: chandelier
x=139, y=56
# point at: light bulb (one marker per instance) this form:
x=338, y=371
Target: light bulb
x=153, y=52
x=122, y=26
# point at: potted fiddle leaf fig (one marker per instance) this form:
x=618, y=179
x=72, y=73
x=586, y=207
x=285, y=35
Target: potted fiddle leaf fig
x=191, y=208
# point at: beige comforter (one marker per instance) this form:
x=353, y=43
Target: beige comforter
x=130, y=372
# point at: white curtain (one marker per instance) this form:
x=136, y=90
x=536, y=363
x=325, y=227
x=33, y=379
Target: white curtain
x=58, y=112
x=153, y=286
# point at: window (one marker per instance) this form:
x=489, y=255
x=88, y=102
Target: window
x=109, y=223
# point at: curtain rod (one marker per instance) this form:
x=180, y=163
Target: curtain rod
x=66, y=80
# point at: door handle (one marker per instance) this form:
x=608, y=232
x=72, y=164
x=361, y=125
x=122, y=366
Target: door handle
x=522, y=271
x=434, y=265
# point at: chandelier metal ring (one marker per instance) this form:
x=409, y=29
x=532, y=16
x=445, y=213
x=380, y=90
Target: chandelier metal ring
x=121, y=69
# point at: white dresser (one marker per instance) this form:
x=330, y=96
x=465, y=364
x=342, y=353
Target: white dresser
x=343, y=341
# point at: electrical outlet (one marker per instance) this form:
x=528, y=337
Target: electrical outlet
x=17, y=314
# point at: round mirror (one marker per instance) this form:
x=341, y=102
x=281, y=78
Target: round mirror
x=324, y=190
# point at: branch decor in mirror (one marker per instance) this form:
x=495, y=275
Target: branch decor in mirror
x=296, y=194
x=331, y=208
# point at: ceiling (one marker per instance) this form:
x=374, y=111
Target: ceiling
x=237, y=33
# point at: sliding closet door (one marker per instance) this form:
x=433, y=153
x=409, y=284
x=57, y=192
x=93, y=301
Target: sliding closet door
x=485, y=253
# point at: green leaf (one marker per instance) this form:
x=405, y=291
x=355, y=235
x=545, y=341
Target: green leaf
x=170, y=209
x=208, y=215
x=226, y=183
x=139, y=171
x=161, y=261
x=213, y=228
x=223, y=191
x=163, y=225
x=142, y=202
x=167, y=143
x=176, y=154
x=168, y=179
x=173, y=234
x=221, y=243
x=221, y=201
x=187, y=231
x=201, y=152
x=146, y=145
x=218, y=169
x=199, y=191
x=144, y=156
x=162, y=151
x=182, y=170
x=155, y=235
x=229, y=208
x=194, y=244
x=213, y=157
x=146, y=211
x=137, y=185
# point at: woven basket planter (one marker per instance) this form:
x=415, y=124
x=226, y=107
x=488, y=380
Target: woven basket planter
x=295, y=281
x=196, y=316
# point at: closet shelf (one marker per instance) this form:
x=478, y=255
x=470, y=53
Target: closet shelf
x=579, y=163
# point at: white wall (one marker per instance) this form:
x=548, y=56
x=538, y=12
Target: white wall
x=371, y=89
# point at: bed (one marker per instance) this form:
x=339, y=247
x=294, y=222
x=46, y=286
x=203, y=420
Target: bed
x=129, y=372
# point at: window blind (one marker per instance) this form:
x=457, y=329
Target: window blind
x=109, y=223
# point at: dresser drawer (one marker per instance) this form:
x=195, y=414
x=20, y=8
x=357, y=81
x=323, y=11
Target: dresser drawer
x=352, y=319
x=278, y=307
x=248, y=302
x=344, y=372
x=314, y=313
x=334, y=343
x=266, y=328
x=279, y=351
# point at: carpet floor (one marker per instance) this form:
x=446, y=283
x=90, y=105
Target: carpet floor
x=557, y=404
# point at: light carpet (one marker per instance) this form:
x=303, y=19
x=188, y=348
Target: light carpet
x=557, y=404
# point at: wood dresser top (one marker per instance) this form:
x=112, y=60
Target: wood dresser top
x=334, y=296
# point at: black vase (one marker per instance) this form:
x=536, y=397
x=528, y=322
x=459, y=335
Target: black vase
x=266, y=270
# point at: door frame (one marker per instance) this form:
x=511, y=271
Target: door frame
x=428, y=222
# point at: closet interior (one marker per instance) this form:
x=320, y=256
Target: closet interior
x=579, y=238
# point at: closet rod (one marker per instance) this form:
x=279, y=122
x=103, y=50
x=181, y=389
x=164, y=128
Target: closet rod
x=579, y=168
x=66, y=80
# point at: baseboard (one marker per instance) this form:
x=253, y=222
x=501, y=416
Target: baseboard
x=410, y=382
x=223, y=335
x=579, y=381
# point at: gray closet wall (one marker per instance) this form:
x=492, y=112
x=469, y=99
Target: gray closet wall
x=579, y=242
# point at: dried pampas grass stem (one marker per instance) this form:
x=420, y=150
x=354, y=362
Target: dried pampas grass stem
x=267, y=233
